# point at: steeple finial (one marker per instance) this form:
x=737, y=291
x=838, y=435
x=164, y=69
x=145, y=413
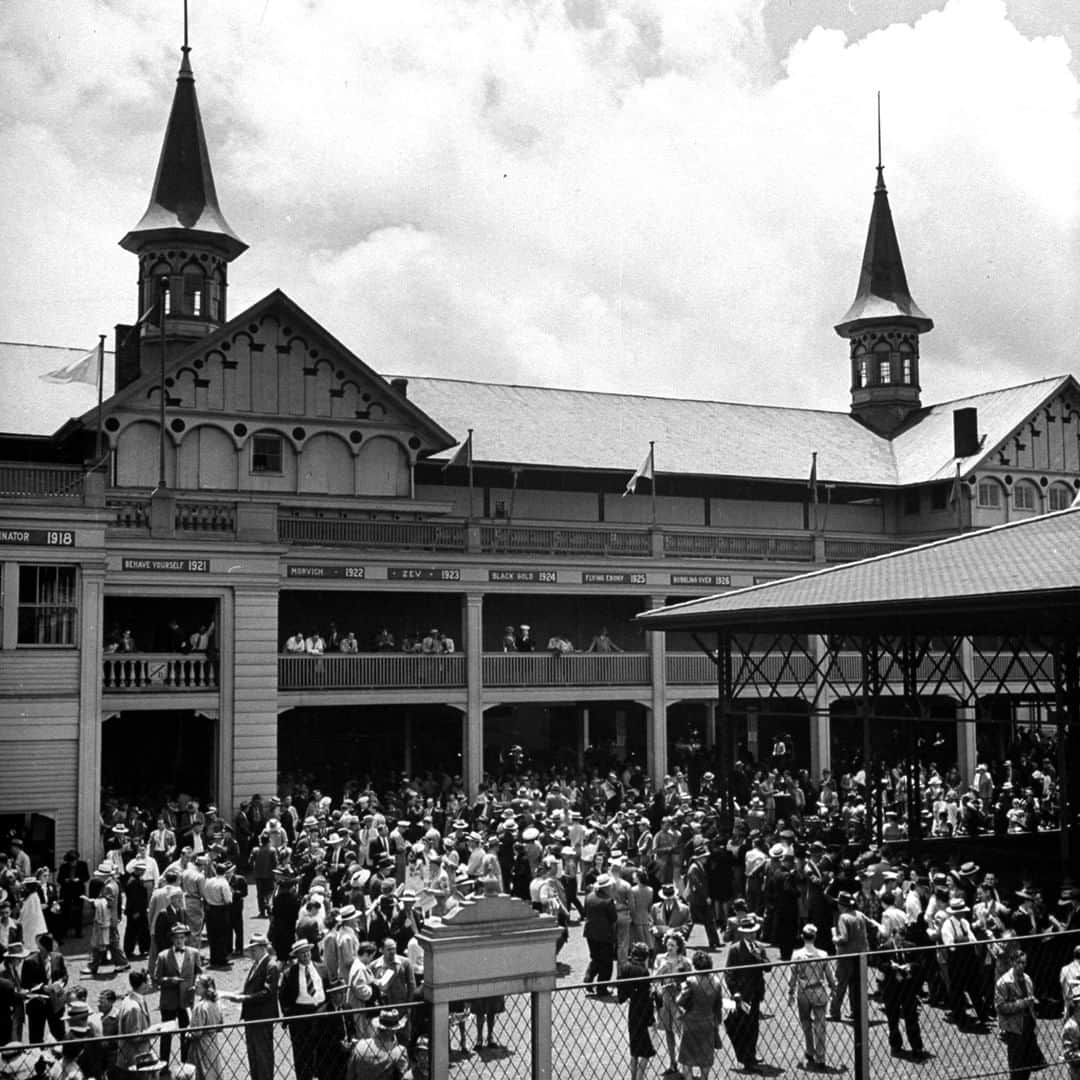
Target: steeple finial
x=880, y=166
x=185, y=49
x=186, y=46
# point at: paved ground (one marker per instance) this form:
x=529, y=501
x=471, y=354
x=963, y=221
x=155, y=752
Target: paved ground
x=589, y=1036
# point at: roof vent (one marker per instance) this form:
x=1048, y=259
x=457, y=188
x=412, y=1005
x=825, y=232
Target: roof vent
x=401, y=386
x=965, y=432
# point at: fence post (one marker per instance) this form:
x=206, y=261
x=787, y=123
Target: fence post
x=541, y=1034
x=439, y=1045
x=862, y=1020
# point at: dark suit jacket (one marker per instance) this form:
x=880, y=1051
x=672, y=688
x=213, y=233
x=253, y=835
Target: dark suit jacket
x=289, y=986
x=9, y=1004
x=261, y=990
x=34, y=972
x=599, y=918
x=747, y=981
x=177, y=995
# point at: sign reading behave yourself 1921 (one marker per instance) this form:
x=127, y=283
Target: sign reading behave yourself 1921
x=173, y=566
x=38, y=537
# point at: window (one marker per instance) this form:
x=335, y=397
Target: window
x=909, y=369
x=989, y=494
x=939, y=496
x=884, y=371
x=911, y=501
x=1060, y=497
x=48, y=610
x=864, y=372
x=266, y=453
x=1024, y=497
x=194, y=286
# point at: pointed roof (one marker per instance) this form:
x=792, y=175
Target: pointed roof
x=883, y=289
x=183, y=196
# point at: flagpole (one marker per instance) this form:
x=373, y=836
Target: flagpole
x=161, y=388
x=959, y=504
x=468, y=440
x=100, y=394
x=652, y=478
x=813, y=488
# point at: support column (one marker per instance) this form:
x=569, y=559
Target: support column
x=966, y=713
x=472, y=743
x=541, y=1034
x=88, y=797
x=439, y=1044
x=583, y=736
x=710, y=726
x=406, y=763
x=657, y=736
x=820, y=715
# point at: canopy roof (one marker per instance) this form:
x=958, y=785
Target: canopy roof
x=1015, y=578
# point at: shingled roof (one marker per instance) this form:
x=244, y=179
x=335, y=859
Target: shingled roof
x=1034, y=563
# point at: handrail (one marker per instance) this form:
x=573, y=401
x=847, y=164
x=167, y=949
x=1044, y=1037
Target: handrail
x=715, y=545
x=564, y=540
x=21, y=480
x=379, y=670
x=375, y=533
x=155, y=672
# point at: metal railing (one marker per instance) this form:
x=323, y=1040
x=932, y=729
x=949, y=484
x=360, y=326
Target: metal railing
x=380, y=670
x=143, y=672
x=709, y=545
x=569, y=669
x=359, y=532
x=19, y=480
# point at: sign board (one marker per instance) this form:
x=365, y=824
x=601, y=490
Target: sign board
x=525, y=577
x=701, y=579
x=423, y=573
x=168, y=566
x=38, y=537
x=594, y=577
x=303, y=570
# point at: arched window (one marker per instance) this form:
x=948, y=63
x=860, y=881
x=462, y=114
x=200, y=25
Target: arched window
x=1059, y=497
x=1025, y=496
x=194, y=298
x=153, y=285
x=907, y=367
x=883, y=363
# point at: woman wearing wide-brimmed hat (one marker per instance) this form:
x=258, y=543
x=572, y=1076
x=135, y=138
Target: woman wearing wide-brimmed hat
x=381, y=1055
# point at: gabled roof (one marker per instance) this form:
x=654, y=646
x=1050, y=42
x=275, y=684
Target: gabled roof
x=1033, y=563
x=883, y=291
x=183, y=196
x=141, y=393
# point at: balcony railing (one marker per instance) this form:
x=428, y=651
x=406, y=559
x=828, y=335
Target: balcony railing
x=20, y=480
x=547, y=540
x=837, y=550
x=382, y=671
x=151, y=672
x=207, y=517
x=570, y=669
x=429, y=536
x=707, y=545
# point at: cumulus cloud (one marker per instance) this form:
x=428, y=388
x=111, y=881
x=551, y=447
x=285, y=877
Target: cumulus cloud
x=613, y=194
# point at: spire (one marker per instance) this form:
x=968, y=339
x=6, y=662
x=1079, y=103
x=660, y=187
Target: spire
x=183, y=196
x=883, y=323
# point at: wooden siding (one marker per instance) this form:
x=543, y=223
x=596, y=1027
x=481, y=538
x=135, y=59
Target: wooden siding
x=33, y=673
x=255, y=689
x=40, y=776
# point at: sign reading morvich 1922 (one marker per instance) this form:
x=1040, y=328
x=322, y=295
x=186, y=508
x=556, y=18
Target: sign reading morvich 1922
x=38, y=537
x=595, y=577
x=423, y=573
x=172, y=566
x=297, y=570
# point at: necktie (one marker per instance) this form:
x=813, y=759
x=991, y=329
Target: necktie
x=310, y=981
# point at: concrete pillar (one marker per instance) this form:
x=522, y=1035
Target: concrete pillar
x=472, y=746
x=583, y=736
x=406, y=762
x=966, y=713
x=88, y=792
x=656, y=742
x=710, y=725
x=820, y=717
x=439, y=1047
x=620, y=734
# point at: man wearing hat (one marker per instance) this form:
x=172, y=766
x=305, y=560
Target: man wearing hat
x=110, y=890
x=381, y=1055
x=44, y=975
x=962, y=964
x=746, y=967
x=850, y=938
x=259, y=1001
x=303, y=994
x=600, y=935
x=697, y=894
x=177, y=969
x=668, y=913
x=12, y=994
x=809, y=988
x=217, y=899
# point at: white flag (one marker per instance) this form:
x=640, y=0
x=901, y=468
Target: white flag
x=84, y=370
x=645, y=470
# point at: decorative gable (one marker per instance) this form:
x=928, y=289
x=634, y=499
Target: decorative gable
x=272, y=402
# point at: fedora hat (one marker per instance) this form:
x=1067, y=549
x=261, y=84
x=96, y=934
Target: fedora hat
x=258, y=938
x=147, y=1061
x=957, y=906
x=667, y=891
x=603, y=881
x=348, y=912
x=299, y=946
x=390, y=1020
x=180, y=928
x=748, y=924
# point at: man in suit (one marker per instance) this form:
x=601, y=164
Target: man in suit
x=697, y=895
x=132, y=1018
x=600, y=935
x=176, y=972
x=259, y=1001
x=284, y=911
x=44, y=975
x=746, y=970
x=668, y=913
x=302, y=993
x=851, y=938
x=11, y=993
x=1015, y=1003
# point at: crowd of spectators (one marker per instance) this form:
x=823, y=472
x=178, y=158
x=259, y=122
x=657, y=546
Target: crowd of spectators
x=383, y=641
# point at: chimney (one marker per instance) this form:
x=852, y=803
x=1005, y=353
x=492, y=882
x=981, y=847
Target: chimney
x=401, y=386
x=965, y=432
x=126, y=356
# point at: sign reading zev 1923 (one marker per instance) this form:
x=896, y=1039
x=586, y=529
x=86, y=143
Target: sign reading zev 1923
x=38, y=537
x=423, y=573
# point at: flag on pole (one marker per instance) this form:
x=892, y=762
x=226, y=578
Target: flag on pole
x=811, y=483
x=645, y=471
x=463, y=454
x=954, y=491
x=83, y=370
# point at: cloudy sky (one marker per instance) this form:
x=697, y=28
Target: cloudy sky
x=657, y=196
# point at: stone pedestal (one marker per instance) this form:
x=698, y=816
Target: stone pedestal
x=492, y=945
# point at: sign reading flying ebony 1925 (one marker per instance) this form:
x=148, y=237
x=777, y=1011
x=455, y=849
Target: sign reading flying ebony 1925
x=423, y=573
x=596, y=577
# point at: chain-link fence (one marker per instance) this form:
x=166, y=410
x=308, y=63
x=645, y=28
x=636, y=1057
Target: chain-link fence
x=972, y=1011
